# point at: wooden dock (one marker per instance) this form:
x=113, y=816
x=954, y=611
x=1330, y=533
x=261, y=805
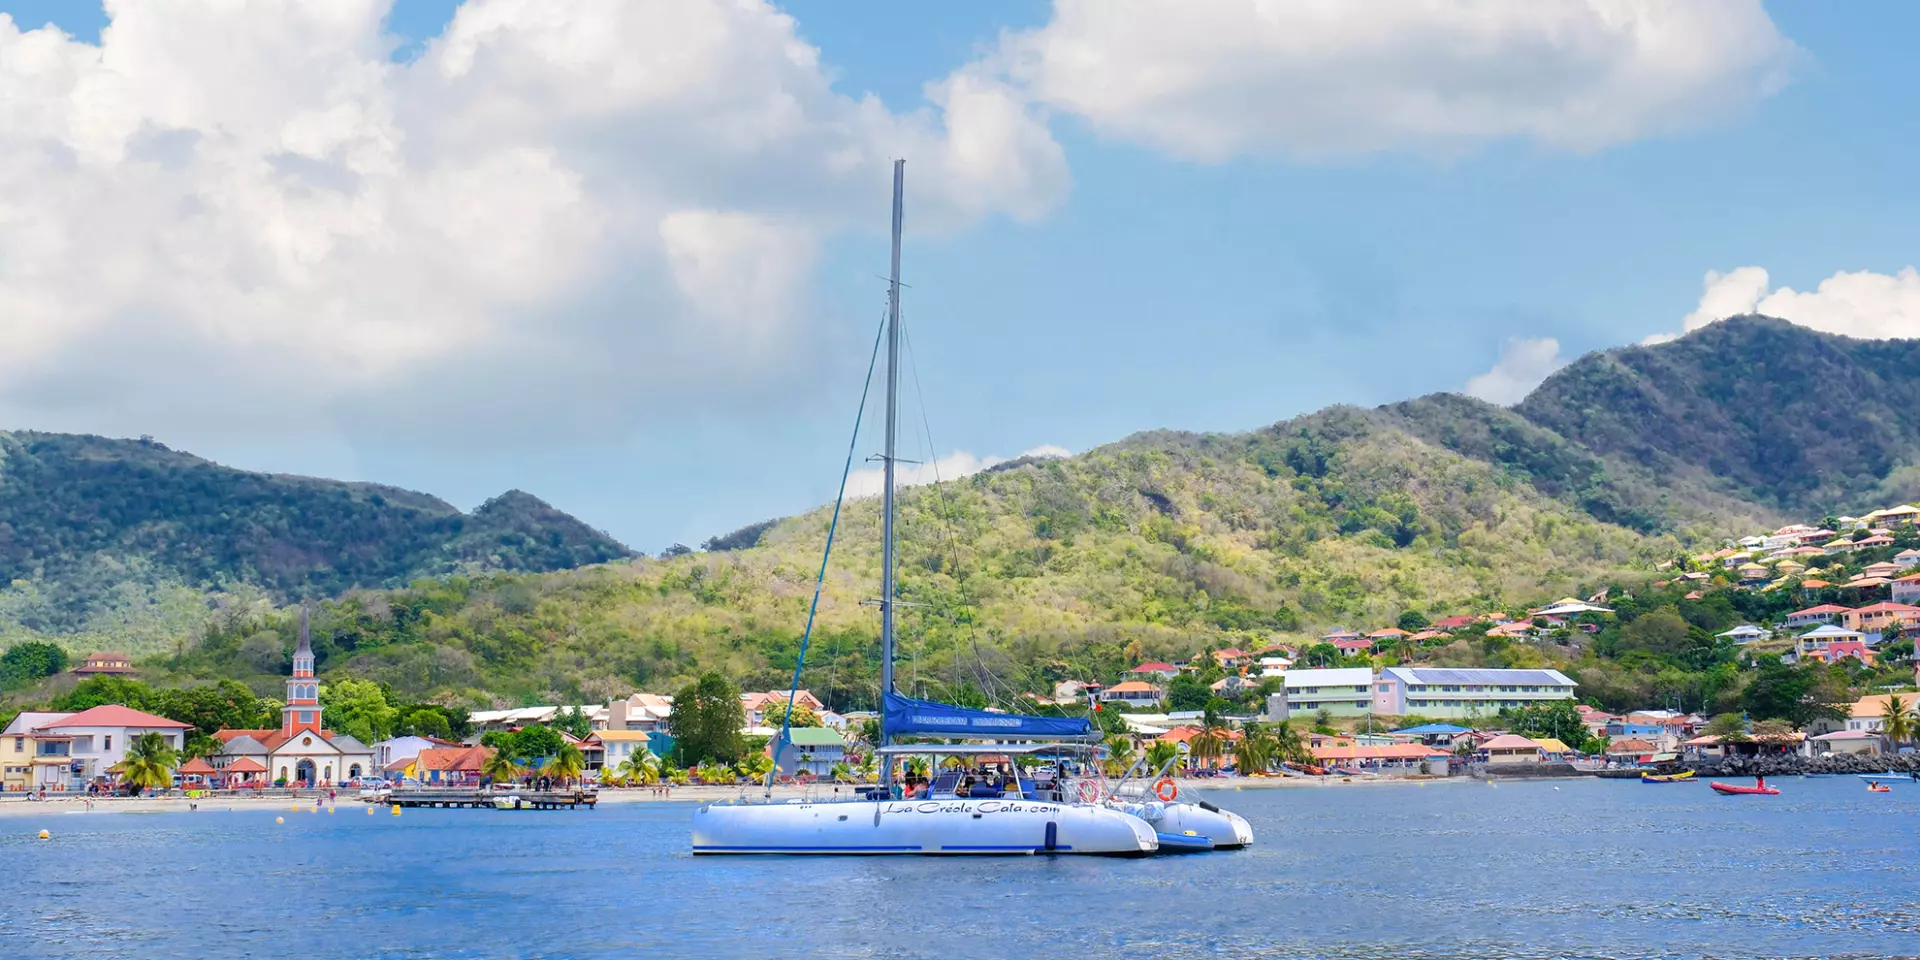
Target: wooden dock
x=467, y=798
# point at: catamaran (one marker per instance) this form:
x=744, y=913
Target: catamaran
x=1017, y=812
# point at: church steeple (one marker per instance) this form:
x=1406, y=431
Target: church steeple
x=302, y=711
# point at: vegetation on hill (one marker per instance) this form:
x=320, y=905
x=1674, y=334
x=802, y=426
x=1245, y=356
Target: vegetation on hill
x=1756, y=408
x=93, y=531
x=1159, y=546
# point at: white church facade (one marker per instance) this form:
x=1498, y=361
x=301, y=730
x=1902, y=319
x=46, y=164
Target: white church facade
x=302, y=752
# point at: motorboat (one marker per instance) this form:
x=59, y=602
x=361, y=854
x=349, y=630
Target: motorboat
x=1732, y=789
x=1878, y=788
x=511, y=801
x=1681, y=777
x=945, y=816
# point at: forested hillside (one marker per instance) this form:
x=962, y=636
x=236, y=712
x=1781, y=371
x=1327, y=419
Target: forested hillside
x=90, y=527
x=1756, y=408
x=1159, y=545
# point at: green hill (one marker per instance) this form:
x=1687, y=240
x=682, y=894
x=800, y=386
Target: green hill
x=91, y=526
x=1159, y=545
x=1755, y=409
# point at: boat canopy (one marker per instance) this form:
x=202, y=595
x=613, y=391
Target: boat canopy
x=908, y=717
x=967, y=749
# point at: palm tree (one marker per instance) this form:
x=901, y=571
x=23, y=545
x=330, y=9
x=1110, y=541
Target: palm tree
x=1120, y=755
x=149, y=763
x=1207, y=746
x=566, y=764
x=1256, y=751
x=1897, y=721
x=500, y=767
x=1287, y=745
x=868, y=768
x=1159, y=754
x=642, y=768
x=755, y=767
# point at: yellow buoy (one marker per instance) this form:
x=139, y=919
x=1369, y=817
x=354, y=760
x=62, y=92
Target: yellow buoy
x=330, y=809
x=396, y=809
x=44, y=835
x=279, y=819
x=369, y=811
x=314, y=810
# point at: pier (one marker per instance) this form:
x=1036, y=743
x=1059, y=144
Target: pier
x=468, y=798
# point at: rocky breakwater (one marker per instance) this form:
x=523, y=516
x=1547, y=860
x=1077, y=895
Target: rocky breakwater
x=1793, y=765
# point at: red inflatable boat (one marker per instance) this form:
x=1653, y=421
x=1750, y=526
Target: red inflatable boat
x=1759, y=789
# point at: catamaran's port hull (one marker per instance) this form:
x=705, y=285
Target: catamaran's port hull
x=919, y=828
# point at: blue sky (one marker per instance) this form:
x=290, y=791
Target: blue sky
x=1216, y=294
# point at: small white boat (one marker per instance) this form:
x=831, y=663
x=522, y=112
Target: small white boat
x=511, y=801
x=917, y=827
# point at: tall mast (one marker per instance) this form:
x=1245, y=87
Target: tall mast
x=893, y=397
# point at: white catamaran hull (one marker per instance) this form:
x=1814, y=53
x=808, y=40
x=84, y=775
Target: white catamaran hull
x=1227, y=830
x=949, y=827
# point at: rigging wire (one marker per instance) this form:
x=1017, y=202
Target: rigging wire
x=987, y=680
x=819, y=582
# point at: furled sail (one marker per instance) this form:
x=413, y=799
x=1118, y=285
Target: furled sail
x=907, y=717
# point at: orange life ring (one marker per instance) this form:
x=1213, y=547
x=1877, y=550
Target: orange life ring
x=1166, y=789
x=1089, y=791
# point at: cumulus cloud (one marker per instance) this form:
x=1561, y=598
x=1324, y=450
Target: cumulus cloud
x=1523, y=365
x=243, y=218
x=1214, y=79
x=1874, y=306
x=871, y=482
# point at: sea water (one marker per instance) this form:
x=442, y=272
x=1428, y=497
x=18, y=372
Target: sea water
x=1581, y=868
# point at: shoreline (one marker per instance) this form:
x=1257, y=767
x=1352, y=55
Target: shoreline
x=69, y=805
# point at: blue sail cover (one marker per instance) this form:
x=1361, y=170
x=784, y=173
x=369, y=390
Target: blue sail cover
x=906, y=716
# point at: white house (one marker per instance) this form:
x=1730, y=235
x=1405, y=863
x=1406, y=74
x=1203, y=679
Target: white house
x=1744, y=633
x=815, y=750
x=70, y=749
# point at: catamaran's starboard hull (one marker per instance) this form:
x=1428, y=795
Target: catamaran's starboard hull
x=919, y=827
x=1227, y=830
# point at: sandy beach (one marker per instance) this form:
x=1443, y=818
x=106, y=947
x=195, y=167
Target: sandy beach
x=20, y=807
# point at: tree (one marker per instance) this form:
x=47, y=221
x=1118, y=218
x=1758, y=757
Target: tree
x=427, y=722
x=1412, y=621
x=1160, y=753
x=574, y=721
x=1256, y=751
x=1661, y=631
x=359, y=709
x=500, y=767
x=1120, y=755
x=641, y=767
x=1897, y=720
x=149, y=763
x=538, y=742
x=566, y=763
x=706, y=721
x=1798, y=695
x=1559, y=721
x=32, y=660
x=1207, y=746
x=1727, y=726
x=754, y=766
x=106, y=688
x=776, y=713
x=1772, y=730
x=1186, y=692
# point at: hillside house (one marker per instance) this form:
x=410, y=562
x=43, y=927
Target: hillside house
x=105, y=663
x=1444, y=693
x=1744, y=633
x=1819, y=639
x=1884, y=569
x=1907, y=559
x=1752, y=573
x=1511, y=748
x=1824, y=613
x=1878, y=617
x=1450, y=624
x=1390, y=633
x=1232, y=686
x=1353, y=646
x=1903, y=515
x=1840, y=650
x=1869, y=714
x=1133, y=691
x=1342, y=692
x=1906, y=589
x=1154, y=670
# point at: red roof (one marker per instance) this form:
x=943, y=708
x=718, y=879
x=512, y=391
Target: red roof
x=246, y=765
x=454, y=758
x=197, y=766
x=1887, y=608
x=1231, y=653
x=1155, y=667
x=1182, y=734
x=115, y=715
x=1823, y=608
x=1353, y=643
x=1454, y=623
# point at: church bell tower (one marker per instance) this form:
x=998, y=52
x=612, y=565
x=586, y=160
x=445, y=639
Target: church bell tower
x=302, y=711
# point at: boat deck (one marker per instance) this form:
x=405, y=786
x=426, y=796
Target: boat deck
x=466, y=798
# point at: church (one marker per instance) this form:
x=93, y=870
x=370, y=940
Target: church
x=302, y=751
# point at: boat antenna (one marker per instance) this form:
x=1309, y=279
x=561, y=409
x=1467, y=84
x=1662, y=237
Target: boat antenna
x=893, y=404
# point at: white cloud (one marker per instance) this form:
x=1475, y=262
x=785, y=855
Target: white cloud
x=236, y=219
x=1874, y=306
x=1523, y=365
x=871, y=481
x=1212, y=79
